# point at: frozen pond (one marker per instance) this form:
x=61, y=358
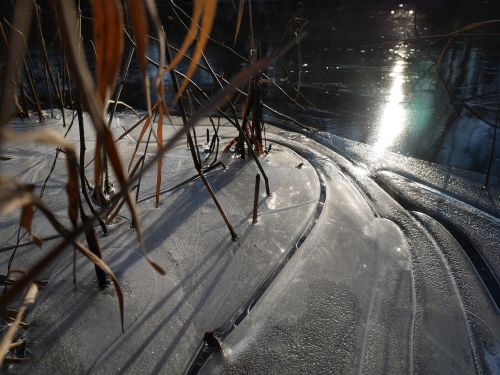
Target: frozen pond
x=377, y=249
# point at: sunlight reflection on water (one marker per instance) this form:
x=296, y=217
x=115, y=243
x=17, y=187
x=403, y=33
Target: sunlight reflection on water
x=394, y=116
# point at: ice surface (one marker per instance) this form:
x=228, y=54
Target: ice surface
x=373, y=289
x=480, y=228
x=208, y=275
x=384, y=282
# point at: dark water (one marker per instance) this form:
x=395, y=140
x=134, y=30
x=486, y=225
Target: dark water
x=366, y=71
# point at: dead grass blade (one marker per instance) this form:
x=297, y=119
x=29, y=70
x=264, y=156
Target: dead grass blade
x=207, y=22
x=13, y=195
x=67, y=13
x=114, y=159
x=115, y=162
x=108, y=39
x=6, y=342
x=22, y=21
x=129, y=130
x=47, y=137
x=140, y=27
x=141, y=135
x=26, y=220
x=198, y=7
x=238, y=21
x=155, y=17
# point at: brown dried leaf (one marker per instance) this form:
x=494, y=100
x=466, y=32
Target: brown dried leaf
x=141, y=135
x=140, y=27
x=26, y=220
x=207, y=22
x=22, y=17
x=198, y=7
x=13, y=195
x=238, y=20
x=155, y=17
x=116, y=163
x=48, y=137
x=129, y=130
x=83, y=78
x=29, y=299
x=27, y=217
x=108, y=37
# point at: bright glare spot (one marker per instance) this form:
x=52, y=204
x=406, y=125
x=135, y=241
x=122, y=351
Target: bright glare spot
x=393, y=117
x=392, y=12
x=361, y=171
x=411, y=11
x=271, y=202
x=304, y=64
x=400, y=5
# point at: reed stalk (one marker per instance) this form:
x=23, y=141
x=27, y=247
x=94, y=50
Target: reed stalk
x=256, y=199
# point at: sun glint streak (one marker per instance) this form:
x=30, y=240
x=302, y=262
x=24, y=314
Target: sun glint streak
x=393, y=117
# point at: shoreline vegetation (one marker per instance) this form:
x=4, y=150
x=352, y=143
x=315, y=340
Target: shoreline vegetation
x=114, y=23
x=100, y=186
